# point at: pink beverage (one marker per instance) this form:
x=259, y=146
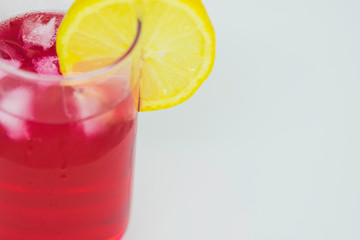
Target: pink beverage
x=66, y=152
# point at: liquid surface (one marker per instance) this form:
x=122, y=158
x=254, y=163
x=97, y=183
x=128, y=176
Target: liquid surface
x=64, y=180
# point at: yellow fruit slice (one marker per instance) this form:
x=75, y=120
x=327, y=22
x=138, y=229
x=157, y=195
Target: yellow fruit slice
x=177, y=44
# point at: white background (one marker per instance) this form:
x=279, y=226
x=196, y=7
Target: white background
x=268, y=148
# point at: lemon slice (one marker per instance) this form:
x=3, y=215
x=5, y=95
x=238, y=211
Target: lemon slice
x=177, y=44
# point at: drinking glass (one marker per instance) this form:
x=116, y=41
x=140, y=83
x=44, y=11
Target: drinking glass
x=66, y=145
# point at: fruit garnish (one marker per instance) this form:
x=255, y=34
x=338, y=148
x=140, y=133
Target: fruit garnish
x=177, y=44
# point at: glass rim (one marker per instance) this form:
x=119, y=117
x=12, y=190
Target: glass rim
x=73, y=79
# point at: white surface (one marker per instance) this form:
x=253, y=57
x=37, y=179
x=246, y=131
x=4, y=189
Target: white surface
x=269, y=146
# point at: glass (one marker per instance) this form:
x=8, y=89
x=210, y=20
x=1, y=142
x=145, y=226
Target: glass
x=66, y=146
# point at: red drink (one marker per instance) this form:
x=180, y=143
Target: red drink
x=66, y=155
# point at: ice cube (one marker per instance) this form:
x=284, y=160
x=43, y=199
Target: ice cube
x=10, y=50
x=14, y=63
x=90, y=102
x=47, y=65
x=97, y=124
x=15, y=127
x=10, y=53
x=17, y=102
x=36, y=32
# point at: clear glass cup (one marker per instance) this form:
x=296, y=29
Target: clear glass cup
x=66, y=146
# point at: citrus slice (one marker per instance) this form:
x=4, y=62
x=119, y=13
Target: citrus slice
x=177, y=44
